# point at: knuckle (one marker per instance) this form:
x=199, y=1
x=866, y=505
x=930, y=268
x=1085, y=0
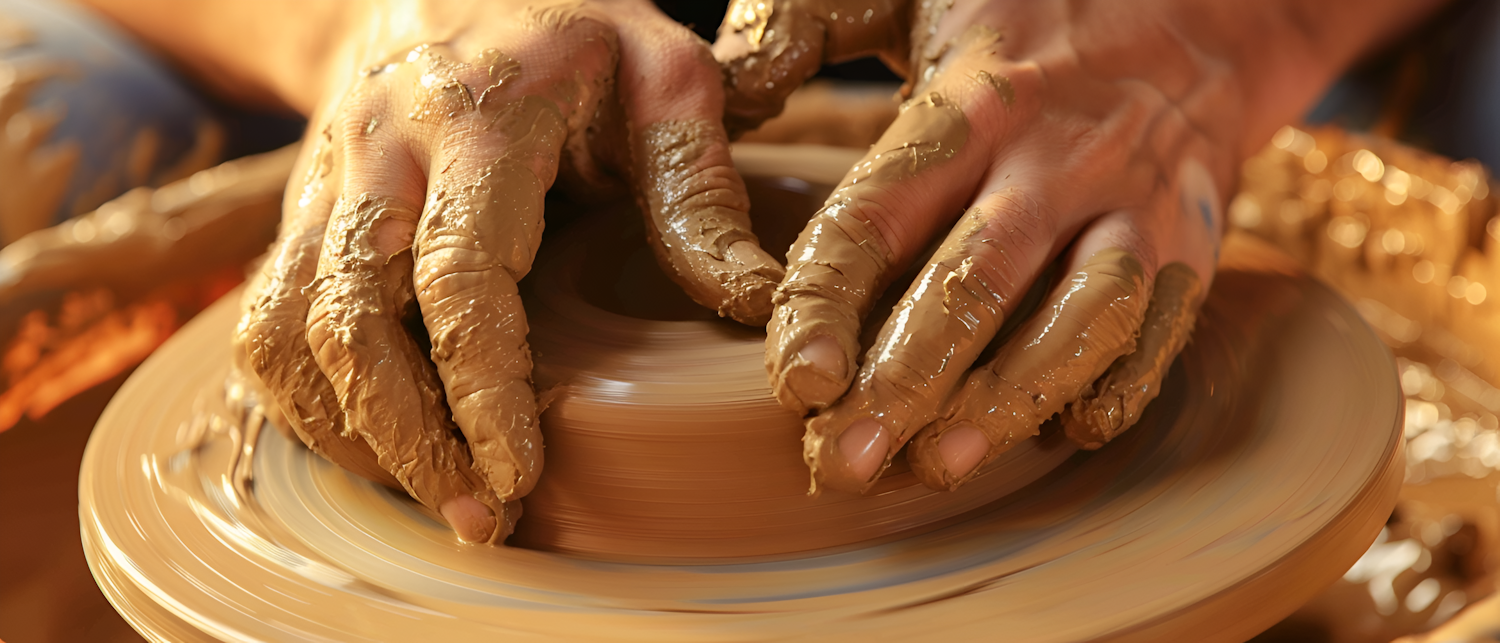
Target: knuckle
x=365, y=103
x=568, y=21
x=710, y=188
x=1019, y=219
x=554, y=43
x=895, y=380
x=879, y=206
x=443, y=273
x=591, y=32
x=998, y=94
x=1014, y=232
x=682, y=66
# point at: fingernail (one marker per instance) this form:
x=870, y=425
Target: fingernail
x=961, y=448
x=473, y=521
x=825, y=354
x=864, y=445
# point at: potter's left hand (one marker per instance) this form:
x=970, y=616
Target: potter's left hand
x=1098, y=137
x=437, y=128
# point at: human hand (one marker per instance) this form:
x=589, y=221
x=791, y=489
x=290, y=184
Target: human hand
x=1092, y=135
x=418, y=204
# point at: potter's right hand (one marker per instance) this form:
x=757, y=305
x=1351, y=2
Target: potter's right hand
x=418, y=204
x=1097, y=137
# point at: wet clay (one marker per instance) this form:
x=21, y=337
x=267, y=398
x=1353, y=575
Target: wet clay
x=389, y=392
x=841, y=263
x=949, y=314
x=1188, y=489
x=271, y=354
x=449, y=271
x=629, y=363
x=768, y=48
x=1090, y=321
x=700, y=227
x=927, y=52
x=477, y=238
x=1116, y=401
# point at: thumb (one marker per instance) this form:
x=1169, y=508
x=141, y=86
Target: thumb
x=768, y=48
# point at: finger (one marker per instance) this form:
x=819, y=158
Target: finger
x=947, y=317
x=388, y=391
x=695, y=204
x=1114, y=403
x=889, y=206
x=271, y=342
x=478, y=234
x=769, y=47
x=1090, y=319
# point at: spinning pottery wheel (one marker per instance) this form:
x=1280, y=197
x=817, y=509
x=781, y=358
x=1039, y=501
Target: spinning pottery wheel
x=1261, y=473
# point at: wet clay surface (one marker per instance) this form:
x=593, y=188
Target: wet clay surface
x=629, y=363
x=301, y=539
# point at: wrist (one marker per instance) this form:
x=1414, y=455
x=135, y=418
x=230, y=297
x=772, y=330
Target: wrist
x=1285, y=53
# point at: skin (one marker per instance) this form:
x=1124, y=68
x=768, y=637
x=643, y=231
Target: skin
x=436, y=130
x=1034, y=134
x=1049, y=131
x=1115, y=401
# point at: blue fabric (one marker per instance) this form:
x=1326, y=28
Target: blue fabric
x=109, y=90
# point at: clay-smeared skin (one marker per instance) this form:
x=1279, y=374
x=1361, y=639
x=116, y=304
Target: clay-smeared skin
x=840, y=264
x=1114, y=126
x=440, y=155
x=947, y=317
x=389, y=392
x=700, y=229
x=1089, y=321
x=1114, y=403
x=271, y=338
x=475, y=242
x=770, y=47
x=271, y=342
x=440, y=128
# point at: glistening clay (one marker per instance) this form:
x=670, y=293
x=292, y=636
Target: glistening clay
x=664, y=439
x=1255, y=494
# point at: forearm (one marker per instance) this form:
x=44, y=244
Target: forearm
x=1285, y=53
x=266, y=52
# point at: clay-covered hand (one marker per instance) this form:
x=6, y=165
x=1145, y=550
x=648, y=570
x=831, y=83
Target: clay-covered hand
x=1094, y=137
x=417, y=206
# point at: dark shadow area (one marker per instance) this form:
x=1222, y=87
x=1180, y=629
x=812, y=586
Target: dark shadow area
x=47, y=594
